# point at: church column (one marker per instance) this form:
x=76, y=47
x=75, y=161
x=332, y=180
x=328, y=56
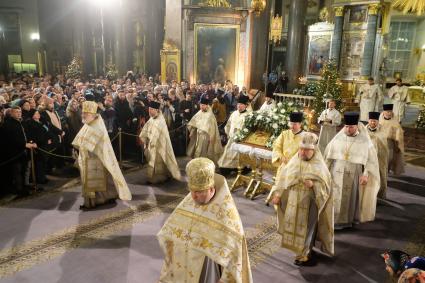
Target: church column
x=297, y=13
x=337, y=36
x=369, y=47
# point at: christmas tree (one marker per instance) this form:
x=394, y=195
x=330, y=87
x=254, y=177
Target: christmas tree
x=73, y=71
x=328, y=87
x=420, y=123
x=111, y=71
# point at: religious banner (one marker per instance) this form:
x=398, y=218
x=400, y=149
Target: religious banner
x=319, y=48
x=216, y=52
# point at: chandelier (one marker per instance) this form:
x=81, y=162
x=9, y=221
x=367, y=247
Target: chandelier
x=258, y=6
x=410, y=6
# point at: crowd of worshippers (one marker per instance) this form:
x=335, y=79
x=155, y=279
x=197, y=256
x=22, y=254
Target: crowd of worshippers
x=44, y=114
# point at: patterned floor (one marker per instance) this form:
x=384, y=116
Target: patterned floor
x=48, y=239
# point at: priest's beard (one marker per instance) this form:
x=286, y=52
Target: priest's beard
x=87, y=118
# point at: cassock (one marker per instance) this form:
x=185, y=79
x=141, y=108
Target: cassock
x=305, y=216
x=399, y=98
x=348, y=158
x=369, y=99
x=200, y=243
x=96, y=160
x=205, y=139
x=229, y=159
x=158, y=150
x=328, y=129
x=394, y=134
x=381, y=147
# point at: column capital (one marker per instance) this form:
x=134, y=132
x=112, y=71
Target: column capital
x=339, y=11
x=374, y=8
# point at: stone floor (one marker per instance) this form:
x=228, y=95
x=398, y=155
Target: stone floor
x=48, y=239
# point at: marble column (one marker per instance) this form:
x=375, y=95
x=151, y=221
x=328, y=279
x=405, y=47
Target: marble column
x=369, y=47
x=337, y=36
x=296, y=36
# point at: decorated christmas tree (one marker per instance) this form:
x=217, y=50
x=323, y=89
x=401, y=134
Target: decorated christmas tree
x=111, y=71
x=420, y=123
x=73, y=71
x=328, y=87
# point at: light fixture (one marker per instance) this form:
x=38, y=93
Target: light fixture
x=35, y=36
x=258, y=6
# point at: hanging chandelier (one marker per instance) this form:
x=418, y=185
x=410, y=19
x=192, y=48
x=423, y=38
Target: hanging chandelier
x=410, y=6
x=258, y=6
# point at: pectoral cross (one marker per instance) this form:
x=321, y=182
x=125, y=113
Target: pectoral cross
x=346, y=155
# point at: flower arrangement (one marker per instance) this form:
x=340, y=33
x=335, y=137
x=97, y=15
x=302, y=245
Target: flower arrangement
x=274, y=122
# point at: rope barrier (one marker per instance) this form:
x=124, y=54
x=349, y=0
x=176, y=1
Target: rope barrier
x=128, y=134
x=54, y=154
x=115, y=137
x=12, y=159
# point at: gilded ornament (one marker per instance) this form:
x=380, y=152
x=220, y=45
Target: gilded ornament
x=410, y=6
x=339, y=11
x=258, y=6
x=324, y=15
x=373, y=9
x=217, y=3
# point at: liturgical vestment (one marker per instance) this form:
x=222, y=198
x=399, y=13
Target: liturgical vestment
x=158, y=150
x=229, y=159
x=381, y=147
x=348, y=158
x=369, y=98
x=328, y=129
x=284, y=147
x=96, y=160
x=399, y=97
x=394, y=134
x=205, y=139
x=205, y=243
x=305, y=216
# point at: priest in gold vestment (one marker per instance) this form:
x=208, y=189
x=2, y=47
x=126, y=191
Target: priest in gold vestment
x=96, y=161
x=203, y=134
x=380, y=142
x=159, y=153
x=303, y=200
x=353, y=162
x=287, y=143
x=394, y=134
x=230, y=158
x=203, y=239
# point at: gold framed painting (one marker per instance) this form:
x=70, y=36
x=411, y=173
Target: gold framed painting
x=216, y=52
x=170, y=66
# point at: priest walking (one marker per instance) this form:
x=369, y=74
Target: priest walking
x=369, y=98
x=159, y=152
x=394, y=134
x=229, y=159
x=96, y=160
x=199, y=243
x=303, y=200
x=380, y=142
x=399, y=97
x=329, y=119
x=353, y=162
x=203, y=133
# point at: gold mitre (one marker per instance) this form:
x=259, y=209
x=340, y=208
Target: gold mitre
x=200, y=173
x=89, y=107
x=309, y=141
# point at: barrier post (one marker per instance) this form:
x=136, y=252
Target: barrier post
x=120, y=146
x=34, y=181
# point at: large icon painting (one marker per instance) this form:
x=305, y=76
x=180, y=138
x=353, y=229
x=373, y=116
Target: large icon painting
x=216, y=52
x=318, y=53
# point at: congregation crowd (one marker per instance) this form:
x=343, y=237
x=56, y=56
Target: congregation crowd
x=44, y=114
